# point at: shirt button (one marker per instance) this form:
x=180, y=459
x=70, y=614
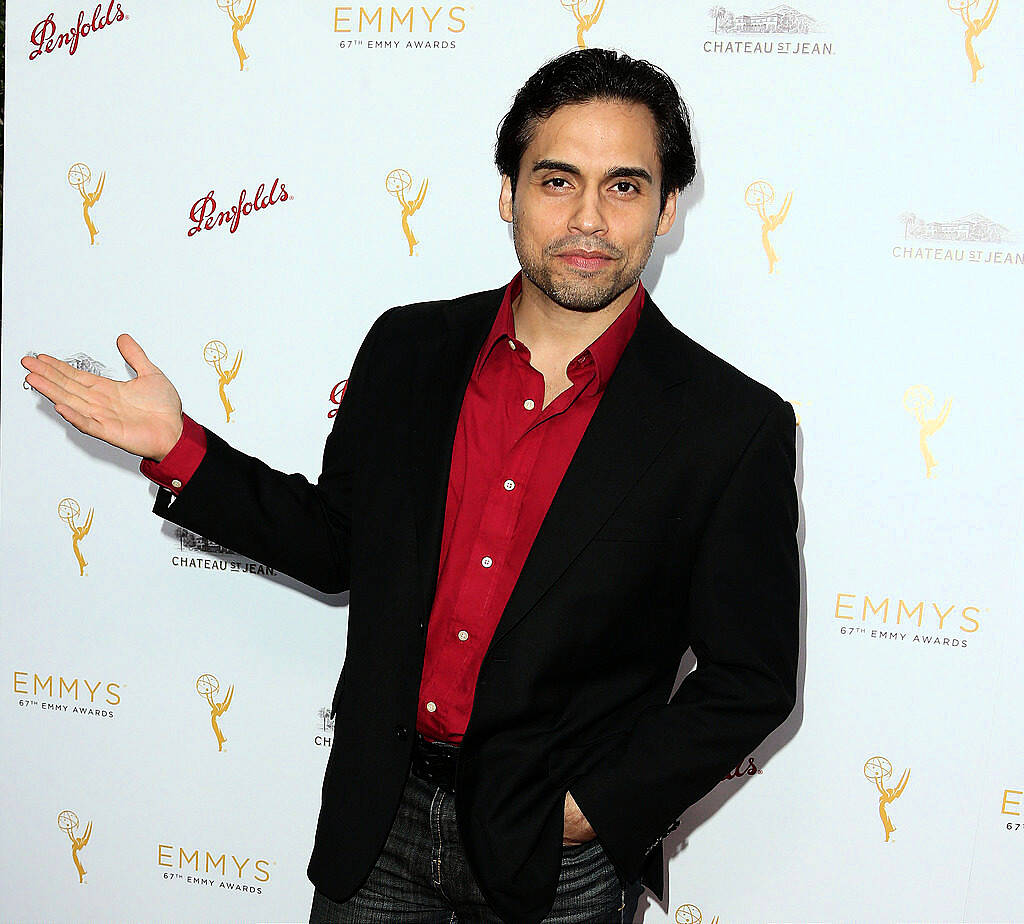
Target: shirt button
x=401, y=731
x=510, y=485
x=528, y=404
x=431, y=707
x=487, y=561
x=463, y=635
x=175, y=483
x=511, y=344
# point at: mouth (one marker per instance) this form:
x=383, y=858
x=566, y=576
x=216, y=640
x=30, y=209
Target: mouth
x=587, y=260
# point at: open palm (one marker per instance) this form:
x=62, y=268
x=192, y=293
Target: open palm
x=141, y=416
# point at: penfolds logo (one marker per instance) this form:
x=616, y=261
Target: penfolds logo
x=46, y=38
x=337, y=393
x=751, y=769
x=205, y=216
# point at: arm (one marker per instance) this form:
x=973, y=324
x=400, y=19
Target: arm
x=744, y=599
x=281, y=520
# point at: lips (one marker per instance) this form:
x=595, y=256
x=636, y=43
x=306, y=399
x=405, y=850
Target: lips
x=585, y=259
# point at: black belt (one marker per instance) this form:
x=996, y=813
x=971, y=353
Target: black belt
x=435, y=762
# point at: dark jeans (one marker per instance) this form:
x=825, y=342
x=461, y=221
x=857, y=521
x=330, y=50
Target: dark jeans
x=422, y=875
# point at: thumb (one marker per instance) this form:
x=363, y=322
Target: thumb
x=134, y=355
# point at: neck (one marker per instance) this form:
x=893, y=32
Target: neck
x=544, y=325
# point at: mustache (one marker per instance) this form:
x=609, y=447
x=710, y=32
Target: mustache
x=578, y=242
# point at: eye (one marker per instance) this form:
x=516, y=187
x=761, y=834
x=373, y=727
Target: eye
x=557, y=182
x=625, y=187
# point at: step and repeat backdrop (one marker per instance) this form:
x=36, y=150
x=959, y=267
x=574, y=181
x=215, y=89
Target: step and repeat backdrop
x=245, y=186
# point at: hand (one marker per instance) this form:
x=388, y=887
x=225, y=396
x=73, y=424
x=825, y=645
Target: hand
x=142, y=416
x=576, y=829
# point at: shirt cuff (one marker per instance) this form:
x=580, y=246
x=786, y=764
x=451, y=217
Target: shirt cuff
x=180, y=464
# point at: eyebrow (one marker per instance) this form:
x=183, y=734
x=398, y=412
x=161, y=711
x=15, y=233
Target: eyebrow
x=613, y=173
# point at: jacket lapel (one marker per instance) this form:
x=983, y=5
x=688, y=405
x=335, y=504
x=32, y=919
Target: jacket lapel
x=635, y=418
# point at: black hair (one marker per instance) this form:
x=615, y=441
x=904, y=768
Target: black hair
x=587, y=74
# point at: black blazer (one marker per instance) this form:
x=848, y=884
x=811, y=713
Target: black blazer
x=674, y=526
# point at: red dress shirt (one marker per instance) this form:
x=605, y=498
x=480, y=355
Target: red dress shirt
x=509, y=457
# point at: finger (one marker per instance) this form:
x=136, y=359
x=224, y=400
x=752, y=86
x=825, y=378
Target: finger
x=78, y=420
x=57, y=370
x=134, y=355
x=50, y=389
x=64, y=376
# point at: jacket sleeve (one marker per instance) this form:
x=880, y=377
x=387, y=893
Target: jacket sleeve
x=282, y=520
x=744, y=602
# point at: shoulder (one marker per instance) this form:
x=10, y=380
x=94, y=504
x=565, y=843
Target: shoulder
x=429, y=318
x=726, y=389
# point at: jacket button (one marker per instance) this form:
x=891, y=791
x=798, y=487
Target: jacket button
x=401, y=731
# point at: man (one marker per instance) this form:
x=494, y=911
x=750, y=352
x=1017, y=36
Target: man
x=539, y=497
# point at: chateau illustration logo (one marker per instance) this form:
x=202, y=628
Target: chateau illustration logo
x=324, y=727
x=194, y=550
x=46, y=38
x=78, y=175
x=193, y=542
x=214, y=354
x=878, y=769
x=337, y=394
x=238, y=22
x=918, y=400
x=68, y=822
x=691, y=914
x=207, y=686
x=69, y=510
x=974, y=26
x=759, y=195
x=974, y=228
x=586, y=13
x=776, y=31
x=398, y=182
x=779, y=19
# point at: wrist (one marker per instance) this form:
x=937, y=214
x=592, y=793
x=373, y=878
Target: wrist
x=172, y=440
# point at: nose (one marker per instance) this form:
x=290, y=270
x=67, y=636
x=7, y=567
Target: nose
x=587, y=217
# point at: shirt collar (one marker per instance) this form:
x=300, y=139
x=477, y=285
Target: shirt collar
x=605, y=351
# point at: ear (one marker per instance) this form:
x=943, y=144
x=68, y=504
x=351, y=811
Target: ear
x=505, y=199
x=668, y=214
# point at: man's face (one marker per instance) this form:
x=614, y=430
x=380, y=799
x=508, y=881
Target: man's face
x=588, y=202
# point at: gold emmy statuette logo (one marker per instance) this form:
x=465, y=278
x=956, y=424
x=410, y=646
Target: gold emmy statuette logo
x=690, y=914
x=68, y=510
x=587, y=12
x=238, y=23
x=68, y=821
x=214, y=353
x=974, y=28
x=917, y=399
x=398, y=183
x=758, y=195
x=78, y=175
x=879, y=769
x=206, y=686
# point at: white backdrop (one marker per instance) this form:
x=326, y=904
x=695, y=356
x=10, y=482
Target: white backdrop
x=891, y=320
